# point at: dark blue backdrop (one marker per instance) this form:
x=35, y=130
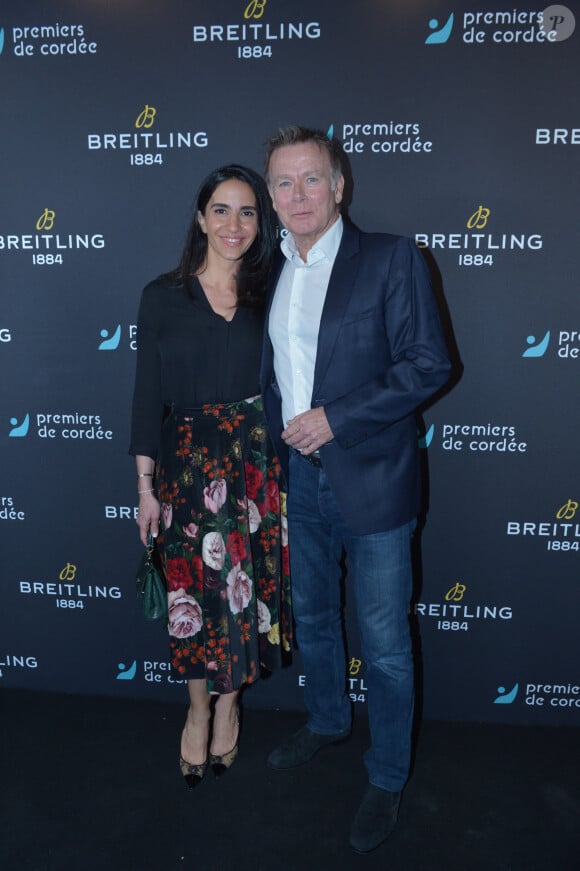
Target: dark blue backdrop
x=460, y=130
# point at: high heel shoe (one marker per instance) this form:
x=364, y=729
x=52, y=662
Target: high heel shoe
x=220, y=763
x=192, y=774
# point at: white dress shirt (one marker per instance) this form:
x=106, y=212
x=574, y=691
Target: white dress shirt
x=295, y=317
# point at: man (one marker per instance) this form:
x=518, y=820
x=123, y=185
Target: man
x=353, y=347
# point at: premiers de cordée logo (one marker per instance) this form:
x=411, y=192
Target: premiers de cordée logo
x=477, y=27
x=568, y=347
x=540, y=694
x=110, y=338
x=481, y=438
x=384, y=137
x=8, y=509
x=75, y=426
x=51, y=40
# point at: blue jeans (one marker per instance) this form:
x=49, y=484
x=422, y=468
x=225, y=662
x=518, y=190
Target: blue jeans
x=379, y=567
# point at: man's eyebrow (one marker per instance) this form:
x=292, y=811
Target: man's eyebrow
x=305, y=172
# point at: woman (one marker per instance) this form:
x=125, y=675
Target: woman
x=205, y=467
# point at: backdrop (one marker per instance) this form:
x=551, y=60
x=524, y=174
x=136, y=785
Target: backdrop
x=459, y=125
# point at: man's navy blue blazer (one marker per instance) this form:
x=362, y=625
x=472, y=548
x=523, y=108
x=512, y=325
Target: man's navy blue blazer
x=381, y=354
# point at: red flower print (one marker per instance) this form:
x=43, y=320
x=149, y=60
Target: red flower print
x=254, y=480
x=178, y=576
x=236, y=547
x=272, y=500
x=196, y=569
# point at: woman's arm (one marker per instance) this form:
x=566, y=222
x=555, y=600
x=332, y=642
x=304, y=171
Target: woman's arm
x=149, y=508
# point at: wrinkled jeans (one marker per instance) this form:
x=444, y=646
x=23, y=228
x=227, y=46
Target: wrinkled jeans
x=379, y=569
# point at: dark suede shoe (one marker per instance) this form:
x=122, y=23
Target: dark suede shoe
x=301, y=747
x=375, y=819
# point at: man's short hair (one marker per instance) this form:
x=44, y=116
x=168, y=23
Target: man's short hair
x=295, y=135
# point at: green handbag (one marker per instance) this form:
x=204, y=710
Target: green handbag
x=151, y=585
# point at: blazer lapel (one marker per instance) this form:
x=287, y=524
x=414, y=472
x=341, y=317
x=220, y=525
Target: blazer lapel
x=267, y=364
x=275, y=271
x=339, y=291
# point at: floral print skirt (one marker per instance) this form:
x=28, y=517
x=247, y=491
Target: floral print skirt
x=224, y=544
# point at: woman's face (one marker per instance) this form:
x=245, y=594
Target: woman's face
x=230, y=221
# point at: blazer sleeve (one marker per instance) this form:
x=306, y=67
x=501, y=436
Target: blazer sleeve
x=415, y=354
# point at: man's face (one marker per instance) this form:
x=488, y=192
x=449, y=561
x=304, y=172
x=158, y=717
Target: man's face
x=302, y=191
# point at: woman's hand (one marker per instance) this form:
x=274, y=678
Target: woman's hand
x=148, y=516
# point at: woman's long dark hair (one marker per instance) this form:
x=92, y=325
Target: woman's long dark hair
x=256, y=262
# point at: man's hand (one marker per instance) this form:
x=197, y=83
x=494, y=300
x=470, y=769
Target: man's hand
x=308, y=431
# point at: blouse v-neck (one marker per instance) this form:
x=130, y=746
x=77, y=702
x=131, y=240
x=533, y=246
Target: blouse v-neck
x=211, y=308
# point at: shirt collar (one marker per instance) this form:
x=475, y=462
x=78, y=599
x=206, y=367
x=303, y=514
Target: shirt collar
x=326, y=248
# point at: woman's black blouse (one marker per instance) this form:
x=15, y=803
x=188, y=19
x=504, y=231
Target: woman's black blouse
x=189, y=356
